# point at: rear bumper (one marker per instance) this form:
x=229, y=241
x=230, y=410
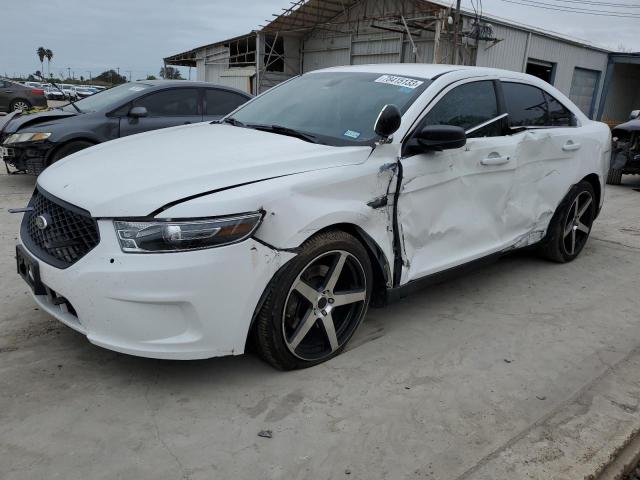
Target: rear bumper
x=38, y=101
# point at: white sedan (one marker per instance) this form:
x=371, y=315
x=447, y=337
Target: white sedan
x=338, y=189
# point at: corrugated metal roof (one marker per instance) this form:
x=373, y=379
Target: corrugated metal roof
x=528, y=28
x=306, y=14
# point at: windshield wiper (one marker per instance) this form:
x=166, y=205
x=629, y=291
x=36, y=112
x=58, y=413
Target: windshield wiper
x=64, y=94
x=291, y=132
x=234, y=122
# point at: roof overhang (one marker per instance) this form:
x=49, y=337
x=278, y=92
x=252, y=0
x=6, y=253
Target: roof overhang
x=188, y=58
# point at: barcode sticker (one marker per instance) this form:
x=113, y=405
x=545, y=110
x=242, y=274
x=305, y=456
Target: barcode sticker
x=399, y=81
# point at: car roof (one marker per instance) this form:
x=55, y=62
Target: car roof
x=423, y=70
x=159, y=84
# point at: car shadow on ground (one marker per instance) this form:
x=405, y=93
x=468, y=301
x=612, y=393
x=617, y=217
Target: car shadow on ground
x=423, y=307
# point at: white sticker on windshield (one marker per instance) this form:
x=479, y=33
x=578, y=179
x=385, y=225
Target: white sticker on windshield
x=136, y=89
x=351, y=134
x=399, y=81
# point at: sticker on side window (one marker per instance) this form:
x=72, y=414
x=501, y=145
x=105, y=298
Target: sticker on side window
x=351, y=134
x=404, y=82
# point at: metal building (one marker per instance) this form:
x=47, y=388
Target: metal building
x=313, y=34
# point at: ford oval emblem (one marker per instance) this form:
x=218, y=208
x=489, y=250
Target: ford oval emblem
x=41, y=222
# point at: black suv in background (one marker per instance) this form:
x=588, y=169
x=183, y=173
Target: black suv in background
x=14, y=96
x=30, y=143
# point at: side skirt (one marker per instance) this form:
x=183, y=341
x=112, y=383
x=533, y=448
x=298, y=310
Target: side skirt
x=396, y=293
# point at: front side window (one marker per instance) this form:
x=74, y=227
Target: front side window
x=468, y=106
x=339, y=108
x=177, y=102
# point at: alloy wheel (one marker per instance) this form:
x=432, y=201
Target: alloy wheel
x=578, y=223
x=324, y=305
x=19, y=105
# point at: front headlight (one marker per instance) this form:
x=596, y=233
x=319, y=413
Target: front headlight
x=181, y=235
x=26, y=137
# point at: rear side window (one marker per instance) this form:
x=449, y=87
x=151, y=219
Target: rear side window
x=178, y=102
x=467, y=106
x=526, y=105
x=559, y=115
x=221, y=102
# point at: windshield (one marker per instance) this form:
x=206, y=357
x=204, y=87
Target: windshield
x=339, y=108
x=107, y=98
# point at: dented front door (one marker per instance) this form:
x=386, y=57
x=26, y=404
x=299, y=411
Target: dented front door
x=452, y=204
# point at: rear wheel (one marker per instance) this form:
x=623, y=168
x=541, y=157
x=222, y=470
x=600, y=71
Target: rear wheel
x=68, y=149
x=571, y=224
x=20, y=104
x=316, y=303
x=614, y=177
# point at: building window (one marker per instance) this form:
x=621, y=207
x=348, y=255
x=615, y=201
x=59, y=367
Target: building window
x=242, y=52
x=541, y=69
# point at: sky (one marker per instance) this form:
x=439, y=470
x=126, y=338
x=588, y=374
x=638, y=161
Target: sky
x=134, y=35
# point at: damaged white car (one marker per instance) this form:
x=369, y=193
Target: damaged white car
x=281, y=224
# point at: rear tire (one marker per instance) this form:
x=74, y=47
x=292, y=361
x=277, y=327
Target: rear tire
x=314, y=304
x=68, y=149
x=614, y=177
x=570, y=226
x=19, y=104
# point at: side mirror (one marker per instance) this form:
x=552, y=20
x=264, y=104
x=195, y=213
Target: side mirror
x=138, y=112
x=441, y=137
x=388, y=121
x=634, y=114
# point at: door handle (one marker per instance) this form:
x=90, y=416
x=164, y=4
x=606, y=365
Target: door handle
x=187, y=123
x=570, y=146
x=494, y=160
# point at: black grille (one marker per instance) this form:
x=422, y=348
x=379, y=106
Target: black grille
x=69, y=235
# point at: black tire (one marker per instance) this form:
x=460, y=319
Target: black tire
x=565, y=238
x=285, y=312
x=68, y=149
x=614, y=177
x=19, y=104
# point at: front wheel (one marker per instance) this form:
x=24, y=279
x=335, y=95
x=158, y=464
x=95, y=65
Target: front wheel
x=316, y=303
x=614, y=177
x=570, y=226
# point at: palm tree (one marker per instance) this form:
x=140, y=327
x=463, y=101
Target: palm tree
x=41, y=52
x=49, y=54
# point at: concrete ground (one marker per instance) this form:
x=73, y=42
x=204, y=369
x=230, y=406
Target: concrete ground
x=524, y=369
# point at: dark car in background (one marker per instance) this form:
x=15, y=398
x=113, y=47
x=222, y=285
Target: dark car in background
x=14, y=96
x=625, y=152
x=30, y=143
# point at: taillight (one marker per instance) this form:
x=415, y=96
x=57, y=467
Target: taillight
x=37, y=91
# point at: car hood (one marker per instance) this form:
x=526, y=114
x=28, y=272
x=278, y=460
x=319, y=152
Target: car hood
x=141, y=174
x=41, y=119
x=630, y=126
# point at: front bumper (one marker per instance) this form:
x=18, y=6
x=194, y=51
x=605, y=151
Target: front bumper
x=29, y=157
x=182, y=306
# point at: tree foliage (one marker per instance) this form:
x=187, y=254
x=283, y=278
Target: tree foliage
x=170, y=73
x=111, y=76
x=41, y=52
